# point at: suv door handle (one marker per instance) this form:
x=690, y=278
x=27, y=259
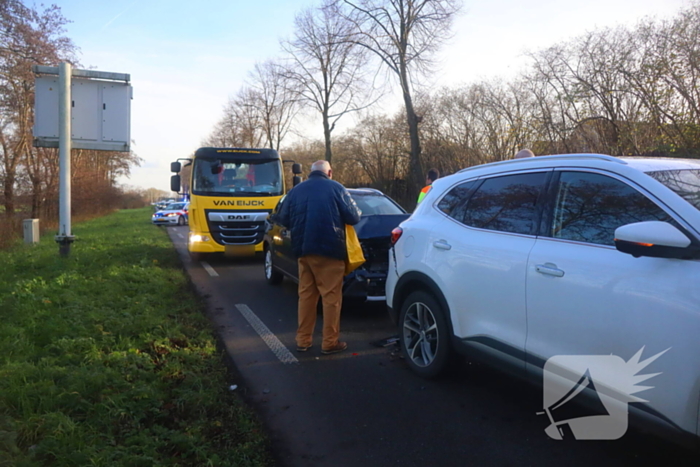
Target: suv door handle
x=549, y=269
x=442, y=245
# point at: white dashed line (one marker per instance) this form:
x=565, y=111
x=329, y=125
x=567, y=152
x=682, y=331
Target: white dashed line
x=277, y=347
x=210, y=269
x=180, y=235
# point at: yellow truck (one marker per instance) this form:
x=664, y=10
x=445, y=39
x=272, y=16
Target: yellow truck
x=231, y=191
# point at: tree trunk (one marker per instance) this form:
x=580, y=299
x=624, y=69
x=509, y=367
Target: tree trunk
x=9, y=194
x=415, y=175
x=327, y=137
x=37, y=196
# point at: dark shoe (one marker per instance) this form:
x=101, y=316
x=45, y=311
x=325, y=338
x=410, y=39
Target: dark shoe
x=339, y=347
x=303, y=349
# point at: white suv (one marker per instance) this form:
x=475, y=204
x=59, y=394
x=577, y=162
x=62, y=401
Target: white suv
x=570, y=255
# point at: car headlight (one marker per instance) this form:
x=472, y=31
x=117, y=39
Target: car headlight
x=171, y=214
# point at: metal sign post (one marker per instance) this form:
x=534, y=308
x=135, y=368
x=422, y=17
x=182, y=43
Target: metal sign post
x=94, y=112
x=64, y=237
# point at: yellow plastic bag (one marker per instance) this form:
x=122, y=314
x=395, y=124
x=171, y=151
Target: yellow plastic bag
x=355, y=257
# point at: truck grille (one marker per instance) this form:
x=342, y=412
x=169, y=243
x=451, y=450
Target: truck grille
x=237, y=227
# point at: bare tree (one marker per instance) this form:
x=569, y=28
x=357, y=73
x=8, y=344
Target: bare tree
x=668, y=78
x=327, y=66
x=403, y=34
x=612, y=114
x=274, y=99
x=27, y=37
x=602, y=92
x=241, y=124
x=475, y=124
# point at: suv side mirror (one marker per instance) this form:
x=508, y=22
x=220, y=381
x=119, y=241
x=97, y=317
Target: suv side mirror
x=654, y=239
x=175, y=183
x=175, y=167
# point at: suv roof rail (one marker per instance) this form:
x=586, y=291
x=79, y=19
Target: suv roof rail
x=601, y=157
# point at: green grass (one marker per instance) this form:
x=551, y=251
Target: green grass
x=107, y=358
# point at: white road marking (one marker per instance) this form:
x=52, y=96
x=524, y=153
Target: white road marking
x=180, y=235
x=210, y=269
x=277, y=347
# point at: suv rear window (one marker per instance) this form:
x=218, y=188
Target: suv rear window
x=506, y=204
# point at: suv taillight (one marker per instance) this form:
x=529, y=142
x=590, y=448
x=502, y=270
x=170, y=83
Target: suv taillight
x=396, y=234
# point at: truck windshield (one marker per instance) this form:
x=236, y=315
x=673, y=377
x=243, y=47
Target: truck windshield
x=241, y=177
x=685, y=183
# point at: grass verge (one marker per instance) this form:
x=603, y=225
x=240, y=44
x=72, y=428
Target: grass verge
x=107, y=358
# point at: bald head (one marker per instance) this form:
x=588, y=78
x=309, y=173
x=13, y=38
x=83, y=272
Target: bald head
x=523, y=153
x=323, y=166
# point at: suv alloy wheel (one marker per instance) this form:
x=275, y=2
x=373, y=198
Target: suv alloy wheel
x=424, y=334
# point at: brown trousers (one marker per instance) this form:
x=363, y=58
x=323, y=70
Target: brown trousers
x=320, y=276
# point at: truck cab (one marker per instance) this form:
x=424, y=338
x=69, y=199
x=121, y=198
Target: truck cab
x=232, y=191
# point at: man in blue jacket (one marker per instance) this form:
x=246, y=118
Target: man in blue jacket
x=315, y=212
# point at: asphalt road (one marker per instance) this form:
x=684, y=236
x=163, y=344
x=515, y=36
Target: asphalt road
x=364, y=407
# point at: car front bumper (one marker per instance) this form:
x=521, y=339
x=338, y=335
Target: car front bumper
x=165, y=220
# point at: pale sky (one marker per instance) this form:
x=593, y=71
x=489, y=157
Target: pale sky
x=187, y=58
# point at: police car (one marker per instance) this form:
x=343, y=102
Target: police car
x=173, y=214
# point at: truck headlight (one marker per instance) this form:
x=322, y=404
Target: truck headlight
x=198, y=238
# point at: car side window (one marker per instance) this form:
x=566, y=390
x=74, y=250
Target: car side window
x=455, y=201
x=506, y=204
x=589, y=207
x=273, y=215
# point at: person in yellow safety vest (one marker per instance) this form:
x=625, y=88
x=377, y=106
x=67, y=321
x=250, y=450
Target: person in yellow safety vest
x=432, y=175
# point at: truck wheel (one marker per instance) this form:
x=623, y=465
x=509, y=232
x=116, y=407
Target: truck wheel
x=196, y=256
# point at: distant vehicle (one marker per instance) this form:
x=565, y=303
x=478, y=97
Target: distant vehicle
x=380, y=214
x=173, y=214
x=561, y=258
x=162, y=204
x=232, y=191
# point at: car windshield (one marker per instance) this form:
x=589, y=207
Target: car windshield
x=175, y=206
x=240, y=177
x=685, y=183
x=372, y=203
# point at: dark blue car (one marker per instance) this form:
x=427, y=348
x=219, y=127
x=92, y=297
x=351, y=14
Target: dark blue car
x=380, y=215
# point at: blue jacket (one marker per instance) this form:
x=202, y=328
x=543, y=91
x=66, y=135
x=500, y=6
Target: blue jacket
x=315, y=212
